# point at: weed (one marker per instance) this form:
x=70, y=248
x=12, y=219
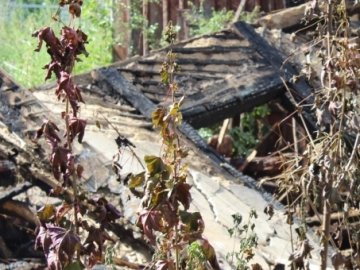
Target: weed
x=61, y=226
x=248, y=240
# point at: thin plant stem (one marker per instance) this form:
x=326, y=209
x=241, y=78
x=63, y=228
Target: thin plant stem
x=74, y=176
x=328, y=186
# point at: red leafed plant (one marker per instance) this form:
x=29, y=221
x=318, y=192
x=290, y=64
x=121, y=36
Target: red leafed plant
x=61, y=226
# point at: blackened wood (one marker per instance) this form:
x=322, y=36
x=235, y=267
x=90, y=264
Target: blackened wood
x=196, y=74
x=127, y=90
x=213, y=49
x=274, y=57
x=16, y=190
x=250, y=60
x=218, y=104
x=302, y=91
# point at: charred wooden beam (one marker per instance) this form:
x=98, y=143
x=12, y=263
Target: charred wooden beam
x=127, y=90
x=196, y=74
x=301, y=91
x=220, y=103
x=19, y=209
x=213, y=49
x=252, y=58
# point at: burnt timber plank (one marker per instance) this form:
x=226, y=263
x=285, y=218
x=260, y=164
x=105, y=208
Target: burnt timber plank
x=186, y=61
x=213, y=49
x=127, y=90
x=181, y=73
x=301, y=91
x=224, y=101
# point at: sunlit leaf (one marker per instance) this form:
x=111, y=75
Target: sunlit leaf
x=154, y=164
x=157, y=116
x=136, y=180
x=46, y=212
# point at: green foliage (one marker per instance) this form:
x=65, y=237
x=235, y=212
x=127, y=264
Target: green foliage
x=250, y=16
x=109, y=256
x=208, y=132
x=244, y=141
x=248, y=240
x=196, y=257
x=245, y=137
x=139, y=23
x=97, y=23
x=201, y=24
x=17, y=54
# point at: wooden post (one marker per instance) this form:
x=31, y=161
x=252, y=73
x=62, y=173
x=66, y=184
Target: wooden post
x=121, y=31
x=181, y=21
x=145, y=25
x=165, y=14
x=239, y=10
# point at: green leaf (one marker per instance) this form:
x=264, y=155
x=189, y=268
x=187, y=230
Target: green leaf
x=74, y=266
x=154, y=165
x=136, y=180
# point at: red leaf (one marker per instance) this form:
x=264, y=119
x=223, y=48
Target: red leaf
x=49, y=130
x=59, y=245
x=64, y=242
x=66, y=85
x=60, y=159
x=98, y=236
x=52, y=42
x=62, y=210
x=181, y=193
x=77, y=127
x=149, y=221
x=79, y=171
x=43, y=240
x=104, y=211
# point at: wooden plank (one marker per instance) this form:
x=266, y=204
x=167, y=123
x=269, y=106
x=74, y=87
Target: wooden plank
x=284, y=18
x=250, y=60
x=212, y=49
x=220, y=103
x=196, y=74
x=127, y=90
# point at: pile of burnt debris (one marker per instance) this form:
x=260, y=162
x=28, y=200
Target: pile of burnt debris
x=222, y=76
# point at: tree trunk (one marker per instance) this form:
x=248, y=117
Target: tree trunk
x=121, y=32
x=145, y=25
x=165, y=14
x=181, y=21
